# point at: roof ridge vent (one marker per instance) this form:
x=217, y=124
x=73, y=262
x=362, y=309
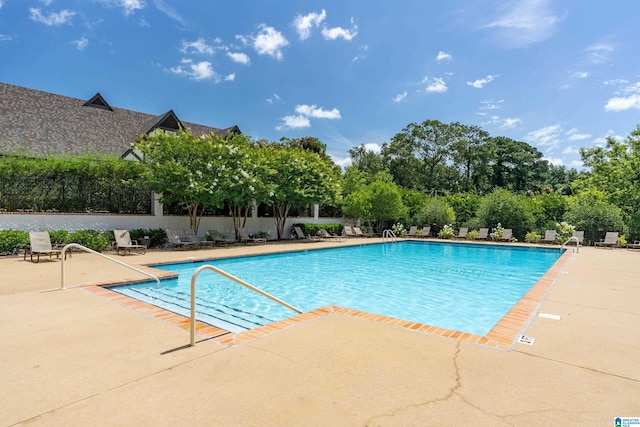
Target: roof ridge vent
x=98, y=101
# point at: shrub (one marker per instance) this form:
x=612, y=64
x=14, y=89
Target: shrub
x=532, y=237
x=92, y=239
x=312, y=229
x=564, y=231
x=59, y=237
x=465, y=206
x=437, y=211
x=473, y=234
x=589, y=211
x=510, y=211
x=398, y=229
x=446, y=232
x=157, y=235
x=13, y=241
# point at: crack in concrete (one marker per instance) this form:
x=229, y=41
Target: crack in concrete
x=454, y=388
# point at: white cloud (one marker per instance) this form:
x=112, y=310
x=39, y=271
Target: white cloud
x=490, y=104
x=202, y=70
x=363, y=53
x=319, y=113
x=230, y=77
x=343, y=162
x=435, y=84
x=5, y=38
x=304, y=24
x=165, y=8
x=577, y=164
x=81, y=44
x=1, y=3
x=555, y=162
x=571, y=150
x=294, y=122
x=62, y=17
x=479, y=84
x=442, y=56
x=578, y=74
x=548, y=137
x=524, y=22
x=399, y=97
x=510, y=123
x=198, y=46
x=129, y=6
x=372, y=146
x=630, y=100
x=339, y=32
x=573, y=135
x=239, y=57
x=269, y=42
x=275, y=97
x=599, y=53
x=615, y=82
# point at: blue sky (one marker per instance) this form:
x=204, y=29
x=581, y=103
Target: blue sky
x=557, y=74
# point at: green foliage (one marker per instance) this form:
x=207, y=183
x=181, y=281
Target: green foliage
x=473, y=234
x=158, y=236
x=72, y=184
x=465, y=206
x=59, y=237
x=13, y=241
x=447, y=232
x=564, y=230
x=310, y=229
x=92, y=239
x=386, y=203
x=505, y=208
x=547, y=209
x=590, y=211
x=413, y=200
x=398, y=229
x=532, y=237
x=436, y=211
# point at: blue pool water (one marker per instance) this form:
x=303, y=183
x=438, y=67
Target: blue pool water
x=464, y=287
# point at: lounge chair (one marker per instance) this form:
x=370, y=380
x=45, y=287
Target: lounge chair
x=578, y=235
x=610, y=240
x=483, y=234
x=324, y=234
x=462, y=233
x=218, y=238
x=549, y=236
x=299, y=235
x=360, y=233
x=191, y=237
x=177, y=242
x=413, y=231
x=424, y=232
x=507, y=235
x=633, y=246
x=243, y=237
x=349, y=232
x=124, y=243
x=40, y=244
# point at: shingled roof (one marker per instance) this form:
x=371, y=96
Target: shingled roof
x=38, y=123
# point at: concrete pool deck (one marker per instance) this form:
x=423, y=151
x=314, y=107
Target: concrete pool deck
x=75, y=358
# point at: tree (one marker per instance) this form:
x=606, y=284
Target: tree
x=300, y=178
x=436, y=212
x=516, y=165
x=590, y=211
x=470, y=157
x=183, y=168
x=386, y=203
x=506, y=208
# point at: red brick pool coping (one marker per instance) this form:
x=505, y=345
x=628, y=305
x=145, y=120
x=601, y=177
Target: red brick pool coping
x=501, y=336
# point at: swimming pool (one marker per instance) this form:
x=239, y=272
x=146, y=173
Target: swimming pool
x=464, y=287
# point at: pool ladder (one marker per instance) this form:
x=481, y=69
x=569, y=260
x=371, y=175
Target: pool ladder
x=389, y=235
x=572, y=239
x=230, y=277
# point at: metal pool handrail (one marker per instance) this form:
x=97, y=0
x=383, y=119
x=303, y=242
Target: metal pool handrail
x=230, y=277
x=574, y=239
x=389, y=234
x=84, y=248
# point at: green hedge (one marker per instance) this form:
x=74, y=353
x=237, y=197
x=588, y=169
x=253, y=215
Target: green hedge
x=72, y=184
x=312, y=229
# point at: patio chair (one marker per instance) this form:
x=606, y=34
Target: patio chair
x=578, y=235
x=610, y=240
x=218, y=238
x=360, y=233
x=192, y=237
x=299, y=235
x=413, y=231
x=40, y=244
x=177, y=242
x=124, y=243
x=349, y=232
x=483, y=234
x=507, y=235
x=243, y=237
x=549, y=236
x=424, y=233
x=324, y=234
x=462, y=233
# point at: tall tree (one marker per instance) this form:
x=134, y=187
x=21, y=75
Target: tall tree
x=517, y=165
